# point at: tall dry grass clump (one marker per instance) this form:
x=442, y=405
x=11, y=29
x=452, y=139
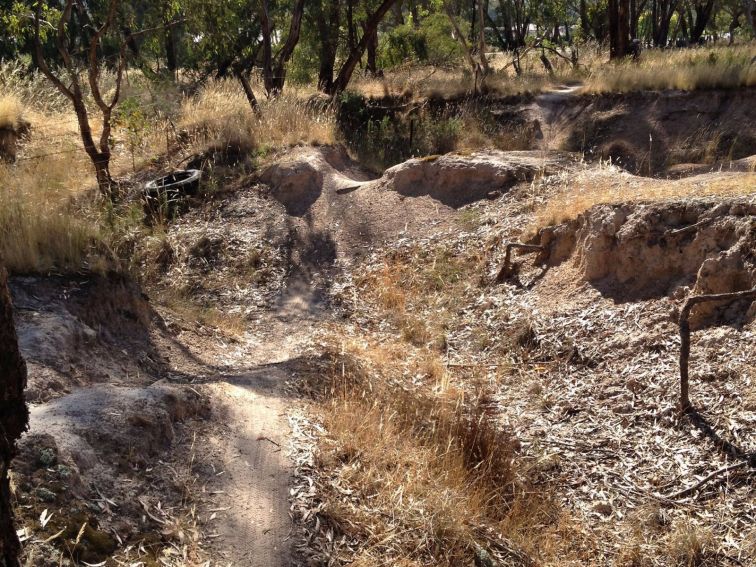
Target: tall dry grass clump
x=39, y=230
x=11, y=112
x=422, y=472
x=683, y=69
x=433, y=477
x=219, y=115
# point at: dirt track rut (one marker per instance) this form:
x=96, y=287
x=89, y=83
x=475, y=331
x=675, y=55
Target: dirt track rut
x=253, y=524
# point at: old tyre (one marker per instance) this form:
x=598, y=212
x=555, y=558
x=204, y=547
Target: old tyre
x=163, y=195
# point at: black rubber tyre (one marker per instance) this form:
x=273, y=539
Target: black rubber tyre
x=162, y=195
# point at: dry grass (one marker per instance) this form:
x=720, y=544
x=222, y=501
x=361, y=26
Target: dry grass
x=422, y=281
x=689, y=546
x=683, y=69
x=415, y=81
x=612, y=185
x=431, y=476
x=196, y=313
x=220, y=115
x=11, y=112
x=39, y=230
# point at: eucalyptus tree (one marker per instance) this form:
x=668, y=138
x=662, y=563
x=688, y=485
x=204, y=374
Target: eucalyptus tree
x=74, y=56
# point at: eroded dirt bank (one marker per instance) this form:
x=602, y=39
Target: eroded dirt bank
x=161, y=433
x=668, y=132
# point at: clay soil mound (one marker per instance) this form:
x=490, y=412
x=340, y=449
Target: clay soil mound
x=637, y=251
x=456, y=179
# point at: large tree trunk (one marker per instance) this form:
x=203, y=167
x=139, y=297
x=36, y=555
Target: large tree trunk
x=703, y=15
x=329, y=41
x=14, y=418
x=619, y=28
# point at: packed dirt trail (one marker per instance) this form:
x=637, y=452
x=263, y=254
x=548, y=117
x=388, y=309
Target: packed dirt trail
x=255, y=525
x=250, y=487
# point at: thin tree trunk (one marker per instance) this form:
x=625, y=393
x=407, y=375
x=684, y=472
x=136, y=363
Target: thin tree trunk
x=279, y=71
x=636, y=9
x=397, y=10
x=248, y=92
x=351, y=32
x=749, y=7
x=371, y=26
x=415, y=13
x=14, y=418
x=372, y=50
x=585, y=23
x=501, y=40
x=170, y=50
x=482, y=39
x=267, y=50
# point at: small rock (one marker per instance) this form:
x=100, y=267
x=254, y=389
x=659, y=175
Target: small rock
x=603, y=508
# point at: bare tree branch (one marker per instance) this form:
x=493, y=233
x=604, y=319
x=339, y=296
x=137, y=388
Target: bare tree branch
x=684, y=321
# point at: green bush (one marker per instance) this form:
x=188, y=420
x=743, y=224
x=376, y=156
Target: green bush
x=431, y=42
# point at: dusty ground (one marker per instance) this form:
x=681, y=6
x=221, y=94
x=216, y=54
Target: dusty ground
x=582, y=350
x=155, y=437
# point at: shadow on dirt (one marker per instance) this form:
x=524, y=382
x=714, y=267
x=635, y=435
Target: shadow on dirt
x=702, y=424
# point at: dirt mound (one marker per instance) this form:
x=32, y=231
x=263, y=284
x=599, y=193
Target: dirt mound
x=100, y=460
x=648, y=132
x=457, y=179
x=132, y=423
x=634, y=251
x=298, y=179
x=75, y=331
x=745, y=164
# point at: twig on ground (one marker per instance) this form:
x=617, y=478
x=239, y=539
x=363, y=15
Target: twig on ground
x=691, y=489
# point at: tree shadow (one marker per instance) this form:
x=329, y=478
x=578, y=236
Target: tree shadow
x=702, y=424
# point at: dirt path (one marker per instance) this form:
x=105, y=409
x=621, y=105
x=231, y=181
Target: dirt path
x=252, y=521
x=251, y=525
x=548, y=109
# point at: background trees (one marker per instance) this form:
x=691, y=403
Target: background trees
x=84, y=47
